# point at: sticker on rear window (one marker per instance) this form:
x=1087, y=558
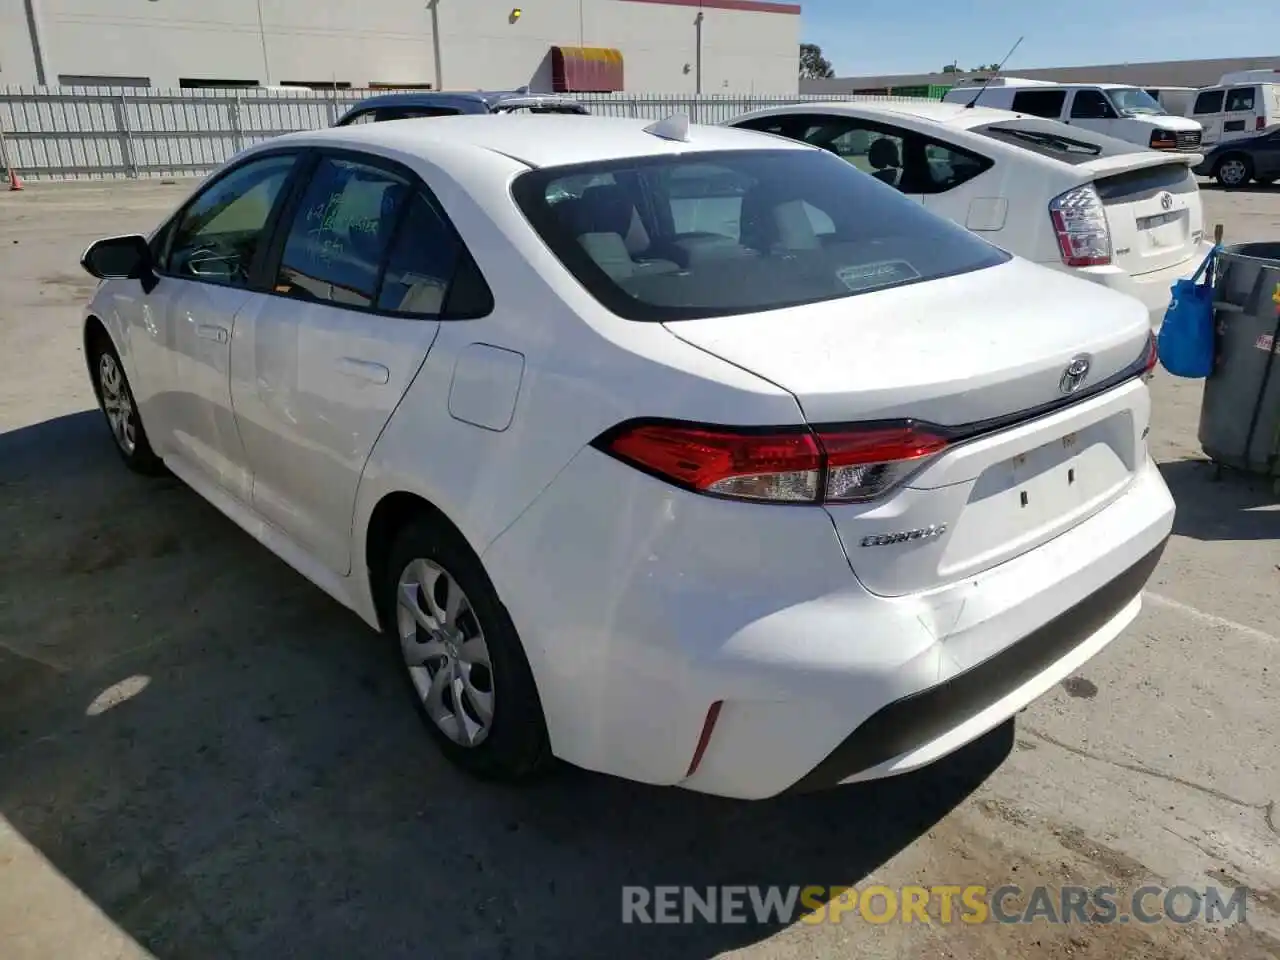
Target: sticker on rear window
x=886, y=273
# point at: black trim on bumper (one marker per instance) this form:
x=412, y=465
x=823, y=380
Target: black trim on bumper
x=920, y=717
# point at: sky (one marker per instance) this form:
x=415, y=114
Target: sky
x=881, y=37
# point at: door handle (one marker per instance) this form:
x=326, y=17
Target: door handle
x=211, y=332
x=364, y=370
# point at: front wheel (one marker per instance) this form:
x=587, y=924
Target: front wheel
x=115, y=397
x=462, y=656
x=1234, y=170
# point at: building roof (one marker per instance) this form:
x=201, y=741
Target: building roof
x=1163, y=73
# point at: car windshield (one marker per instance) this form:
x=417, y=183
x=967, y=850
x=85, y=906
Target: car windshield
x=692, y=235
x=1132, y=102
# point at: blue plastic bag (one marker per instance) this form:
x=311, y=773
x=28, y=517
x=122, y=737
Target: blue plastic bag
x=1185, y=341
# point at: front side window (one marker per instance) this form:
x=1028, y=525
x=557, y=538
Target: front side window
x=1090, y=105
x=341, y=233
x=1209, y=102
x=218, y=237
x=1241, y=98
x=711, y=234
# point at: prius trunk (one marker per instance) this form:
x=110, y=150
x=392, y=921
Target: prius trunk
x=994, y=358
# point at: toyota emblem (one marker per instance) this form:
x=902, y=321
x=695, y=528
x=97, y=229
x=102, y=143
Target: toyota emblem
x=1074, y=376
x=1166, y=201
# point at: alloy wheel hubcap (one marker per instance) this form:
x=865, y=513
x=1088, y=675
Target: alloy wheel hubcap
x=445, y=651
x=117, y=403
x=1233, y=171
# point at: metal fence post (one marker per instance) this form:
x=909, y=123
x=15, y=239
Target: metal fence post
x=237, y=131
x=121, y=107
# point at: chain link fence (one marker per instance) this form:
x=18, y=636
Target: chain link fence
x=77, y=133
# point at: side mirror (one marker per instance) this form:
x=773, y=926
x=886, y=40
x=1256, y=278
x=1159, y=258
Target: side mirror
x=119, y=258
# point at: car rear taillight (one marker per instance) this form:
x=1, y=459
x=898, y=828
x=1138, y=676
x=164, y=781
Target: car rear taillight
x=1080, y=224
x=1153, y=353
x=787, y=465
x=1259, y=123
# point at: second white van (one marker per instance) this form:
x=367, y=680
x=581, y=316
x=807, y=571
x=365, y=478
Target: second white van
x=1120, y=111
x=1239, y=105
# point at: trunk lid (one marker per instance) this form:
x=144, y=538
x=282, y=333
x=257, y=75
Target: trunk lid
x=1153, y=208
x=973, y=353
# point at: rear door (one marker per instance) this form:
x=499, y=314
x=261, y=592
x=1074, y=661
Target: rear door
x=361, y=266
x=1207, y=110
x=1241, y=111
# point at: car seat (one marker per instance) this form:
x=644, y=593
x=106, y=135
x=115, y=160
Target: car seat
x=887, y=161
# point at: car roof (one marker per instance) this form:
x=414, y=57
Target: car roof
x=945, y=112
x=546, y=140
x=427, y=98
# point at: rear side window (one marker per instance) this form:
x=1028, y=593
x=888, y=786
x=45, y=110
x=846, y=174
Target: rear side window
x=1209, y=102
x=1040, y=103
x=1241, y=98
x=421, y=264
x=341, y=233
x=711, y=234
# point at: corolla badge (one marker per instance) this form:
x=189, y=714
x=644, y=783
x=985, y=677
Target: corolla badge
x=1074, y=376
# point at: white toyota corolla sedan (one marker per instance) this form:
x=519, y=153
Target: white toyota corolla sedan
x=686, y=454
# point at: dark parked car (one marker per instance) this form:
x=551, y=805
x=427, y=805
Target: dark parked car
x=430, y=103
x=1236, y=162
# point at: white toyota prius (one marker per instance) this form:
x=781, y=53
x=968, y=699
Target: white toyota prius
x=681, y=453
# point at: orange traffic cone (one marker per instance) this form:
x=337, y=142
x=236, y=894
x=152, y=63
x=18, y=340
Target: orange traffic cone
x=15, y=182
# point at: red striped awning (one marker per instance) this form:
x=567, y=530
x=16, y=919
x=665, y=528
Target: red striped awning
x=586, y=69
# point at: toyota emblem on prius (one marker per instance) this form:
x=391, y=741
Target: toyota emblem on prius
x=1074, y=376
x=1166, y=201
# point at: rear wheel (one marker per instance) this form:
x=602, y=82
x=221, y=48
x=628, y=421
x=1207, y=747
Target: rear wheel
x=463, y=658
x=1234, y=170
x=115, y=397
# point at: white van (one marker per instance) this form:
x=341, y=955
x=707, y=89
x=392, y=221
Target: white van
x=1120, y=111
x=1175, y=100
x=1239, y=105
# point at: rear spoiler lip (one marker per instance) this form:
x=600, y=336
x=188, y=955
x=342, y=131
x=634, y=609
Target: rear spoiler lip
x=1139, y=160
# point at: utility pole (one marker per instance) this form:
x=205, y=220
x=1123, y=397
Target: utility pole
x=435, y=42
x=37, y=48
x=697, y=57
x=262, y=38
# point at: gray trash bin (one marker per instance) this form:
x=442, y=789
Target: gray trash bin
x=1240, y=412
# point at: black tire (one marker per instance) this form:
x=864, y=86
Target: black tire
x=137, y=453
x=516, y=747
x=1230, y=161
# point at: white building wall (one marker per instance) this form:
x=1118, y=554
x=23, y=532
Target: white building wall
x=391, y=41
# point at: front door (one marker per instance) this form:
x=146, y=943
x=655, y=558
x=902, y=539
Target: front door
x=216, y=242
x=320, y=364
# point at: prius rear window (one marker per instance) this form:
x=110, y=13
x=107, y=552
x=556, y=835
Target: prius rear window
x=706, y=234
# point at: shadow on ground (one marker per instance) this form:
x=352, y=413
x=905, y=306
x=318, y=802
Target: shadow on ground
x=1226, y=505
x=259, y=786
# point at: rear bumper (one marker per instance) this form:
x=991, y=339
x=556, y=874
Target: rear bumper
x=1153, y=289
x=661, y=603
x=887, y=741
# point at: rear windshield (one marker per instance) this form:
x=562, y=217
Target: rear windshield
x=709, y=234
x=1048, y=138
